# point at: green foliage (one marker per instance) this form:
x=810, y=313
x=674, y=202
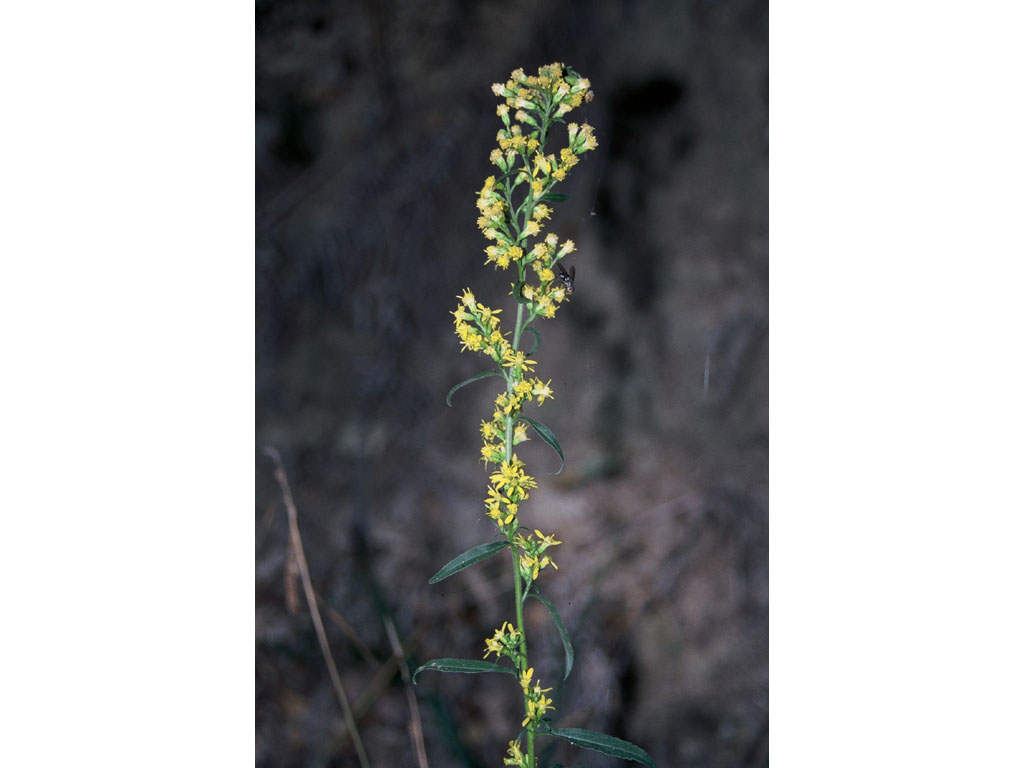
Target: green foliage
x=562, y=631
x=536, y=337
x=548, y=437
x=468, y=558
x=600, y=742
x=470, y=380
x=465, y=666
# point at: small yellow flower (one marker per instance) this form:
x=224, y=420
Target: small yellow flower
x=546, y=541
x=542, y=391
x=488, y=430
x=525, y=680
x=515, y=755
x=487, y=314
x=517, y=359
x=494, y=496
x=512, y=509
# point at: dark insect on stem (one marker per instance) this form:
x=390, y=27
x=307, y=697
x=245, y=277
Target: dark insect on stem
x=568, y=278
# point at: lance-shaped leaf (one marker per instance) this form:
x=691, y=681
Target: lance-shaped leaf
x=566, y=643
x=470, y=380
x=554, y=197
x=468, y=558
x=466, y=666
x=607, y=745
x=536, y=337
x=547, y=436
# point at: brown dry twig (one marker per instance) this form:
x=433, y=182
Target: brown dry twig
x=415, y=724
x=295, y=544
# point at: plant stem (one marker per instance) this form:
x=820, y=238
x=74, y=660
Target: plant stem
x=517, y=576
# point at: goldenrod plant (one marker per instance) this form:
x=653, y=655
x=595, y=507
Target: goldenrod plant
x=514, y=205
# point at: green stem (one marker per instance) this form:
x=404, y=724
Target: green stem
x=527, y=206
x=516, y=575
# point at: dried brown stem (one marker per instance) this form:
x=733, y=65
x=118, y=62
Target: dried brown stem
x=295, y=541
x=415, y=724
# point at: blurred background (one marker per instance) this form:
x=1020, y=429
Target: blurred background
x=374, y=121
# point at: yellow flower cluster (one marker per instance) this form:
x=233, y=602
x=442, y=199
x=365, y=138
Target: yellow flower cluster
x=480, y=328
x=537, y=704
x=532, y=559
x=538, y=100
x=515, y=756
x=510, y=486
x=504, y=642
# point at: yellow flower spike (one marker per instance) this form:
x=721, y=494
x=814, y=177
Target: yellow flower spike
x=512, y=219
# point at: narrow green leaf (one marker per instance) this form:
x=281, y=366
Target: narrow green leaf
x=554, y=197
x=467, y=666
x=536, y=336
x=547, y=436
x=607, y=745
x=468, y=558
x=566, y=643
x=470, y=380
